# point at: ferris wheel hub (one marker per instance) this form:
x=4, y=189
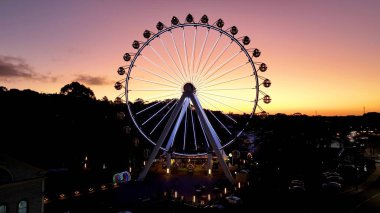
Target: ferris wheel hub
x=189, y=88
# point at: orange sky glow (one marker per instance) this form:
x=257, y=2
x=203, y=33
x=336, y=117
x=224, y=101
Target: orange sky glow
x=322, y=57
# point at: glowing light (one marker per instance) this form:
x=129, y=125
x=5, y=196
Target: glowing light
x=193, y=198
x=103, y=187
x=144, y=162
x=130, y=169
x=209, y=171
x=167, y=171
x=175, y=194
x=62, y=196
x=225, y=190
x=85, y=166
x=209, y=197
x=239, y=185
x=76, y=193
x=91, y=190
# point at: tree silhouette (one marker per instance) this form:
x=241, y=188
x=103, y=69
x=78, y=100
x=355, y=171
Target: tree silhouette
x=3, y=89
x=77, y=90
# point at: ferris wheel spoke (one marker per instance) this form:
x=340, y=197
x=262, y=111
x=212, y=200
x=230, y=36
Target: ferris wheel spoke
x=222, y=65
x=217, y=58
x=146, y=90
x=227, y=116
x=171, y=58
x=204, y=133
x=224, y=96
x=223, y=103
x=178, y=55
x=209, y=54
x=228, y=81
x=185, y=51
x=162, y=96
x=201, y=53
x=192, y=124
x=153, y=105
x=160, y=76
x=207, y=81
x=162, y=108
x=167, y=65
x=158, y=124
x=216, y=118
x=185, y=128
x=221, y=89
x=192, y=54
x=153, y=82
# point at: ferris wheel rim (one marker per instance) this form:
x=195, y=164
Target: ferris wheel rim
x=183, y=25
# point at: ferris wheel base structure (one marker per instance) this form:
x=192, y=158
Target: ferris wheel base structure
x=188, y=95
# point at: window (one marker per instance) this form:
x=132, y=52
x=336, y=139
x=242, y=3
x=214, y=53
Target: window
x=23, y=206
x=3, y=208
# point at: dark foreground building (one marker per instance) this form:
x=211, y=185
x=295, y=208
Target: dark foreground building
x=21, y=187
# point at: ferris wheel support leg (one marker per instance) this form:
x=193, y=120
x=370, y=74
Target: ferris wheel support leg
x=177, y=124
x=209, y=161
x=161, y=139
x=168, y=159
x=212, y=136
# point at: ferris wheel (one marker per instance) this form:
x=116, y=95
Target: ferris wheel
x=191, y=87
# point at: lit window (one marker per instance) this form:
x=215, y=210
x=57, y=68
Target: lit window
x=3, y=208
x=23, y=207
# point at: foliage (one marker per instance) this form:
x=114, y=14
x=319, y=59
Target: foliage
x=77, y=90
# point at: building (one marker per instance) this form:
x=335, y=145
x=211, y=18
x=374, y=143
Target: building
x=21, y=187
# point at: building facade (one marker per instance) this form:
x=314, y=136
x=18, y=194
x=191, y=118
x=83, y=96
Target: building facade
x=21, y=187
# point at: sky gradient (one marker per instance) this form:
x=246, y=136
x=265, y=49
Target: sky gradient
x=323, y=56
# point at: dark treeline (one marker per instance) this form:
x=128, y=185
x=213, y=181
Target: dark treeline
x=58, y=130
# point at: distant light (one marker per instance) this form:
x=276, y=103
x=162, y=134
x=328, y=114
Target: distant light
x=225, y=190
x=76, y=193
x=85, y=165
x=239, y=185
x=209, y=197
x=103, y=187
x=209, y=171
x=62, y=196
x=144, y=162
x=193, y=198
x=167, y=171
x=130, y=169
x=175, y=194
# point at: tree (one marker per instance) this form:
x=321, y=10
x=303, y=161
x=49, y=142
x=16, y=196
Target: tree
x=3, y=89
x=77, y=90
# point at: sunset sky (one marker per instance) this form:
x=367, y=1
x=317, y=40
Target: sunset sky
x=323, y=56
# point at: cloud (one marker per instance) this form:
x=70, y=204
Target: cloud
x=92, y=80
x=15, y=67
